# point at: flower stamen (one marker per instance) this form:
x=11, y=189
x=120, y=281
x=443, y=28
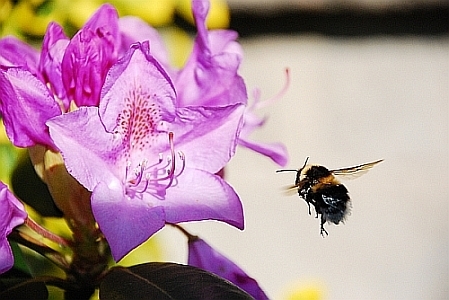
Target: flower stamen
x=147, y=180
x=260, y=104
x=182, y=157
x=156, y=177
x=172, y=158
x=139, y=172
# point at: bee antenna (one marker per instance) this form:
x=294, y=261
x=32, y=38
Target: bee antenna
x=286, y=170
x=290, y=170
x=305, y=163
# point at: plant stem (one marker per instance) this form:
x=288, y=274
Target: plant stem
x=190, y=236
x=45, y=233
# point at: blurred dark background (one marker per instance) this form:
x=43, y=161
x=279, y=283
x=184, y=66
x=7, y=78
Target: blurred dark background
x=337, y=19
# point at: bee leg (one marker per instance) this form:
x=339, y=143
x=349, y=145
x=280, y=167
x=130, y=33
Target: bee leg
x=322, y=230
x=314, y=205
x=316, y=211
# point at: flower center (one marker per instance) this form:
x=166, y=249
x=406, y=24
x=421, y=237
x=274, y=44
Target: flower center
x=140, y=121
x=154, y=178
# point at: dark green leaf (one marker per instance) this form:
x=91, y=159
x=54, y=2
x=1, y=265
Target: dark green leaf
x=166, y=281
x=15, y=284
x=12, y=277
x=32, y=190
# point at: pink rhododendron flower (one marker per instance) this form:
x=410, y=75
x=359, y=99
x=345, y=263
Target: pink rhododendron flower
x=210, y=76
x=146, y=161
x=127, y=143
x=36, y=88
x=135, y=114
x=12, y=214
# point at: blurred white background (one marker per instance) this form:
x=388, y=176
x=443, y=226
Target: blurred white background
x=350, y=101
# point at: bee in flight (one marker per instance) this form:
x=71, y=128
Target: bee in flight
x=320, y=187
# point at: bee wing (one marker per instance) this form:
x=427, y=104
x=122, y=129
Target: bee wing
x=356, y=171
x=290, y=190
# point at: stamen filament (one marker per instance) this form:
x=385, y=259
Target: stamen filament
x=183, y=158
x=159, y=176
x=147, y=180
x=139, y=173
x=128, y=166
x=280, y=94
x=173, y=158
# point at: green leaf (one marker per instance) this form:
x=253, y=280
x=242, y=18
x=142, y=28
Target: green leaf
x=19, y=261
x=166, y=281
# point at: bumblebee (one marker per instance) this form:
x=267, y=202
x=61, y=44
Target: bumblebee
x=319, y=186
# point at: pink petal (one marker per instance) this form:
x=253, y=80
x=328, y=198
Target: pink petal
x=50, y=65
x=210, y=76
x=12, y=214
x=203, y=256
x=26, y=104
x=15, y=53
x=137, y=74
x=86, y=147
x=89, y=55
x=199, y=195
x=134, y=30
x=125, y=222
x=275, y=151
x=208, y=135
